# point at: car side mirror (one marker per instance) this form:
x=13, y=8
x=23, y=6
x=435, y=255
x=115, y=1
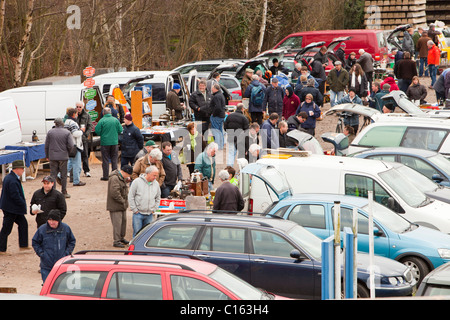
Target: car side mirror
x=437, y=178
x=377, y=232
x=297, y=255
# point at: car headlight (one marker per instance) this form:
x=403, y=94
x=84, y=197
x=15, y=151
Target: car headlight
x=393, y=280
x=444, y=253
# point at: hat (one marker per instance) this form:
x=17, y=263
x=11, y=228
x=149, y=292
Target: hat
x=274, y=60
x=343, y=45
x=48, y=179
x=54, y=214
x=127, y=169
x=176, y=86
x=129, y=117
x=337, y=63
x=151, y=143
x=249, y=70
x=18, y=164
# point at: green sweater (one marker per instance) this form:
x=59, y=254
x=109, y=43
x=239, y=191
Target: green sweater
x=108, y=128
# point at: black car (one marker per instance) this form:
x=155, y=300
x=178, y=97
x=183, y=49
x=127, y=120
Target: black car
x=273, y=254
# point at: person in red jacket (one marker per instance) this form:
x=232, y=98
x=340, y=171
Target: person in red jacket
x=290, y=103
x=434, y=56
x=390, y=81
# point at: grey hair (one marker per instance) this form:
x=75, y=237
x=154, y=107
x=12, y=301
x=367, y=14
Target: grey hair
x=430, y=42
x=156, y=154
x=151, y=169
x=107, y=110
x=211, y=146
x=255, y=77
x=224, y=175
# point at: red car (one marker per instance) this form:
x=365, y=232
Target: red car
x=119, y=275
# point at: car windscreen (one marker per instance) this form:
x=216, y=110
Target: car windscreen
x=389, y=218
x=440, y=162
x=403, y=188
x=307, y=241
x=419, y=180
x=239, y=287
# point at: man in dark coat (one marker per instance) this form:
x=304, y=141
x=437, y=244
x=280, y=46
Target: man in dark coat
x=218, y=107
x=199, y=103
x=172, y=168
x=173, y=102
x=46, y=199
x=235, y=125
x=58, y=143
x=227, y=197
x=274, y=98
x=14, y=207
x=132, y=141
x=52, y=241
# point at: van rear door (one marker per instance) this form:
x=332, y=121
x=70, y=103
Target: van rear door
x=10, y=130
x=266, y=184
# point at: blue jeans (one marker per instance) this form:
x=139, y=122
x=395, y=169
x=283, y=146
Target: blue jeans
x=423, y=64
x=75, y=165
x=217, y=130
x=231, y=154
x=433, y=73
x=140, y=220
x=335, y=96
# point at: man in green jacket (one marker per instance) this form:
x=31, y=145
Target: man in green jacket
x=337, y=79
x=108, y=128
x=205, y=163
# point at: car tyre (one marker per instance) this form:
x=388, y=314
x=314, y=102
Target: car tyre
x=418, y=267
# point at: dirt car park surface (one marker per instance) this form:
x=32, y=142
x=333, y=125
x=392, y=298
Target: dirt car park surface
x=89, y=220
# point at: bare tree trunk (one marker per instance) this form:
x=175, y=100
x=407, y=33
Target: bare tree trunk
x=2, y=17
x=18, y=68
x=262, y=30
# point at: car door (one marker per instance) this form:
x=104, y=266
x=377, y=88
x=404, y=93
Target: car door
x=226, y=247
x=273, y=270
x=381, y=240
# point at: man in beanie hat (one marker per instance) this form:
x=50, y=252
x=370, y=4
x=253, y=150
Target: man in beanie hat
x=149, y=146
x=173, y=102
x=132, y=141
x=14, y=207
x=46, y=199
x=52, y=241
x=117, y=203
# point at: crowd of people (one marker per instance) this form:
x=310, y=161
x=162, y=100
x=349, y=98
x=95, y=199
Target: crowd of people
x=149, y=172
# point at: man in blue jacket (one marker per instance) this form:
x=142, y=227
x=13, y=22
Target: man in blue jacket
x=14, y=206
x=132, y=141
x=255, y=107
x=52, y=241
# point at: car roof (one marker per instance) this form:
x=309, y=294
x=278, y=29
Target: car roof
x=141, y=259
x=323, y=161
x=327, y=197
x=232, y=219
x=400, y=150
x=440, y=276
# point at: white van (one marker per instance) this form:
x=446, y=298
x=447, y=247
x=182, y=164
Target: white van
x=39, y=106
x=342, y=175
x=10, y=129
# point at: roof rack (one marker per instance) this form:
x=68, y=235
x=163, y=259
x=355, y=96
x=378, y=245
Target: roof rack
x=223, y=217
x=129, y=253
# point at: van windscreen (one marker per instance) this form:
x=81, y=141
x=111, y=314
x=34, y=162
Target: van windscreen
x=293, y=42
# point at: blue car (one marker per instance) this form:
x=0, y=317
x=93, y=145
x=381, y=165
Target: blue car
x=431, y=164
x=418, y=247
x=276, y=255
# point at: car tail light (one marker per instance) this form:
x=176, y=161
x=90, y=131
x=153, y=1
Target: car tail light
x=131, y=247
x=250, y=205
x=237, y=92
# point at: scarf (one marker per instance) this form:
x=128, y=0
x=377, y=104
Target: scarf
x=353, y=84
x=193, y=137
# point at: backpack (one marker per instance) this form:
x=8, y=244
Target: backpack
x=257, y=95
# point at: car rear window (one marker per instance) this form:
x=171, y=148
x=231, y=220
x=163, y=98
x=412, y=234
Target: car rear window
x=175, y=237
x=80, y=283
x=383, y=136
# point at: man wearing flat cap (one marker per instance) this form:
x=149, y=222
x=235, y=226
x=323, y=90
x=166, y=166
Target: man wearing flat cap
x=14, y=207
x=117, y=203
x=45, y=199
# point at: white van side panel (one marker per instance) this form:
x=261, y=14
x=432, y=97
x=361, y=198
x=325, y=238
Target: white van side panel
x=10, y=130
x=31, y=106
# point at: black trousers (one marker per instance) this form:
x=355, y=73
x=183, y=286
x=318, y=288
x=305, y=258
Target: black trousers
x=61, y=167
x=85, y=157
x=8, y=222
x=110, y=154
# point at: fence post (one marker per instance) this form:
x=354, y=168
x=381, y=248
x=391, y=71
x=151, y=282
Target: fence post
x=337, y=250
x=327, y=281
x=349, y=279
x=371, y=248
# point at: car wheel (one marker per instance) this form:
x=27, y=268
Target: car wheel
x=418, y=267
x=362, y=291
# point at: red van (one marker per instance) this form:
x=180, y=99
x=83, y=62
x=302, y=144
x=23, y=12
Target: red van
x=371, y=40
